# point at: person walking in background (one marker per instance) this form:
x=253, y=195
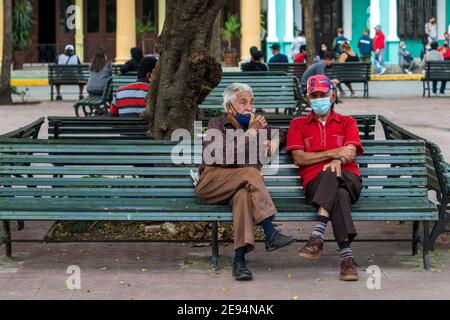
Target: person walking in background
x=101, y=71
x=406, y=60
x=435, y=55
x=298, y=43
x=431, y=30
x=348, y=55
x=69, y=58
x=365, y=46
x=337, y=49
x=132, y=64
x=278, y=57
x=379, y=48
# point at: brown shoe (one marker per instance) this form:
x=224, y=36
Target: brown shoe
x=348, y=270
x=312, y=249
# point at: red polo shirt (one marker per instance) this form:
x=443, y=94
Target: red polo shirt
x=310, y=135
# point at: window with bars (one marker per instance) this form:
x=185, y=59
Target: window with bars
x=412, y=17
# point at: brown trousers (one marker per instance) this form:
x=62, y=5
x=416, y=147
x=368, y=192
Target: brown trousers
x=336, y=195
x=244, y=190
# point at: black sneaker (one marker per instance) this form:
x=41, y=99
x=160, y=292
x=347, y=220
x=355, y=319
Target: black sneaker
x=58, y=98
x=241, y=272
x=81, y=97
x=278, y=240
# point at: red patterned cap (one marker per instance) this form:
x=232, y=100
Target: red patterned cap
x=319, y=83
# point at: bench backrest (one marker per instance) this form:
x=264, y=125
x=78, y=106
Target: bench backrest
x=350, y=71
x=116, y=70
x=116, y=83
x=124, y=128
x=30, y=131
x=68, y=74
x=254, y=73
x=296, y=69
x=437, y=70
x=96, y=170
x=435, y=163
x=270, y=92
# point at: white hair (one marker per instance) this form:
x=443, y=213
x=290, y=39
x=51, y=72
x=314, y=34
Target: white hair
x=229, y=95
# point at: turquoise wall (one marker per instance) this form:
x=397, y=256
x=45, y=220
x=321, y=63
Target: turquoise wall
x=360, y=20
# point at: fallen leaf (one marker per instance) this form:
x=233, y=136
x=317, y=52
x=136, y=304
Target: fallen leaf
x=318, y=279
x=295, y=298
x=88, y=291
x=289, y=276
x=369, y=260
x=269, y=269
x=143, y=270
x=117, y=260
x=104, y=268
x=225, y=289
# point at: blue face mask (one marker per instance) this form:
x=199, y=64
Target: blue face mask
x=321, y=106
x=243, y=119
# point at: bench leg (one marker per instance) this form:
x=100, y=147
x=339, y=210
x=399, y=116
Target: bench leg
x=438, y=229
x=415, y=238
x=215, y=246
x=426, y=246
x=7, y=238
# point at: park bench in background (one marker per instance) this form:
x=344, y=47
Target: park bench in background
x=137, y=181
x=271, y=92
x=67, y=75
x=116, y=71
x=354, y=72
x=99, y=104
x=295, y=69
x=435, y=71
x=438, y=174
x=124, y=128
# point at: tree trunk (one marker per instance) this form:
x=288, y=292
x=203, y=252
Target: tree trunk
x=5, y=77
x=216, y=41
x=185, y=71
x=308, y=6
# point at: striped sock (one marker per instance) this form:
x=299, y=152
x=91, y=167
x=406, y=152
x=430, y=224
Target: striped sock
x=320, y=227
x=345, y=252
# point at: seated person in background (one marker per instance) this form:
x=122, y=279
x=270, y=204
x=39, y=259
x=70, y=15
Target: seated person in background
x=347, y=55
x=132, y=65
x=69, y=58
x=101, y=71
x=300, y=57
x=406, y=60
x=317, y=68
x=130, y=100
x=257, y=62
x=278, y=57
x=445, y=50
x=240, y=183
x=435, y=55
x=324, y=145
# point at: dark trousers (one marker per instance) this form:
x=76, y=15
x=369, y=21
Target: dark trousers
x=336, y=195
x=443, y=85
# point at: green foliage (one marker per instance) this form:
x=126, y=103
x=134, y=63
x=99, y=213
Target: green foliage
x=143, y=28
x=232, y=29
x=22, y=25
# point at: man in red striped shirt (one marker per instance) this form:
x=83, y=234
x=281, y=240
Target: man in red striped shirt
x=130, y=100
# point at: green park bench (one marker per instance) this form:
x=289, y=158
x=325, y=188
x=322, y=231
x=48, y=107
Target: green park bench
x=116, y=70
x=111, y=180
x=295, y=69
x=134, y=128
x=99, y=104
x=30, y=131
x=254, y=73
x=67, y=75
x=435, y=71
x=271, y=92
x=354, y=72
x=438, y=174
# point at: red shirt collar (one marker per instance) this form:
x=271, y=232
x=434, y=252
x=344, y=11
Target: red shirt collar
x=333, y=116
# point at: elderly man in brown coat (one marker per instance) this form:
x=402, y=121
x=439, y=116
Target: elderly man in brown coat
x=231, y=174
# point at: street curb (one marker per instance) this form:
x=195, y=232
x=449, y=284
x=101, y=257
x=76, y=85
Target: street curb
x=29, y=82
x=397, y=77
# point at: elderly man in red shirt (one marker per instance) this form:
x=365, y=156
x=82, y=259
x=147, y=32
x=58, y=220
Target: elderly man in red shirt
x=324, y=146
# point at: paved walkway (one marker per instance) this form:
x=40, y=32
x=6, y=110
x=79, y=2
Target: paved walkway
x=182, y=271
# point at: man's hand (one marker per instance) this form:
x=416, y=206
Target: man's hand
x=335, y=166
x=335, y=82
x=349, y=153
x=257, y=122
